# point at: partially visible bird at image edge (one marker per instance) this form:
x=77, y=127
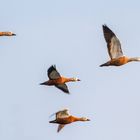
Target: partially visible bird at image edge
x=7, y=34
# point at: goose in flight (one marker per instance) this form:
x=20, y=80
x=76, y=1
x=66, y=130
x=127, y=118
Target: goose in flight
x=55, y=79
x=114, y=50
x=7, y=34
x=63, y=118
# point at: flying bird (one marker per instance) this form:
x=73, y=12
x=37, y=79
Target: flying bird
x=63, y=118
x=114, y=50
x=7, y=34
x=55, y=79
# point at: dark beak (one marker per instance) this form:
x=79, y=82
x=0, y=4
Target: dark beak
x=88, y=119
x=78, y=80
x=13, y=34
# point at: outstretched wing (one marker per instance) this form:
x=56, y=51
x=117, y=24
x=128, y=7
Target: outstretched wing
x=60, y=126
x=53, y=73
x=63, y=87
x=113, y=43
x=62, y=114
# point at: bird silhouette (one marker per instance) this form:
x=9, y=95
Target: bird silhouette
x=63, y=118
x=55, y=79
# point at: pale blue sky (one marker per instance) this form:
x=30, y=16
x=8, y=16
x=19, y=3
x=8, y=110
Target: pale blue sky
x=68, y=34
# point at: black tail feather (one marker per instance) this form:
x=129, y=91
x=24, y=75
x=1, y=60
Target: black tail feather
x=105, y=64
x=44, y=83
x=54, y=121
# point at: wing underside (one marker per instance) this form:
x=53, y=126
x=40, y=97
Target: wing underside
x=60, y=126
x=113, y=43
x=53, y=73
x=62, y=114
x=63, y=87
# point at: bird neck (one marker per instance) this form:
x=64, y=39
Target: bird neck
x=134, y=59
x=75, y=119
x=69, y=79
x=5, y=33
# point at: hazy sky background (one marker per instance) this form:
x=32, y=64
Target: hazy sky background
x=68, y=34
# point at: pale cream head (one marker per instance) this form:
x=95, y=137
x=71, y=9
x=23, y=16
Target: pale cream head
x=84, y=119
x=76, y=79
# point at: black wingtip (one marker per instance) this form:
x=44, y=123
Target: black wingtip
x=67, y=92
x=105, y=26
x=107, y=30
x=52, y=67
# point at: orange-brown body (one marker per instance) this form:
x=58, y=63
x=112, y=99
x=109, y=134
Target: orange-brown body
x=60, y=80
x=7, y=34
x=66, y=120
x=117, y=61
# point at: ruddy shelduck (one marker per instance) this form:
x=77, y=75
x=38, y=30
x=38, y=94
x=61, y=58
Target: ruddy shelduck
x=7, y=34
x=63, y=118
x=114, y=50
x=55, y=79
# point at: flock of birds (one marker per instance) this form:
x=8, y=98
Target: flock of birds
x=63, y=117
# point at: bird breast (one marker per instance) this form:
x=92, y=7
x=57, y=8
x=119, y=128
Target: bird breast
x=57, y=81
x=66, y=120
x=119, y=61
